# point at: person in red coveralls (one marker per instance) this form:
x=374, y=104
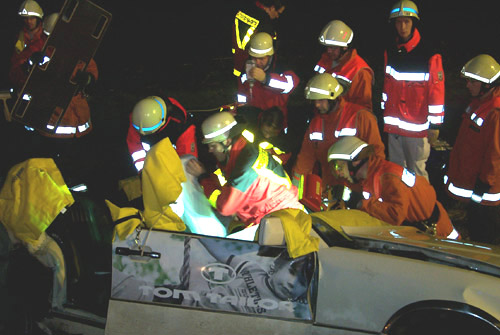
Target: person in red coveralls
x=254, y=183
x=153, y=119
x=474, y=164
x=413, y=91
x=334, y=117
x=391, y=192
x=345, y=64
x=265, y=83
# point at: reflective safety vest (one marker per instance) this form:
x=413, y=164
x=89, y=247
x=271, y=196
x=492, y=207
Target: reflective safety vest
x=354, y=73
x=256, y=184
x=413, y=93
x=475, y=157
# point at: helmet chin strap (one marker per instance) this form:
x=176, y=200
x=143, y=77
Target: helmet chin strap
x=353, y=170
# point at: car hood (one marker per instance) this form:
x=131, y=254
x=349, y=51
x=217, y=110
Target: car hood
x=482, y=257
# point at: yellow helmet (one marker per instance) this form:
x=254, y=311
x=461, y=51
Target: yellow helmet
x=261, y=45
x=49, y=23
x=216, y=127
x=347, y=148
x=336, y=33
x=483, y=68
x=323, y=86
x=404, y=8
x=30, y=8
x=149, y=115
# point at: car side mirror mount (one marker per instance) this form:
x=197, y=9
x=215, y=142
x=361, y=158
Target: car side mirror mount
x=271, y=232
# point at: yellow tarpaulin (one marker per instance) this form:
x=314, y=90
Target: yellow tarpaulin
x=32, y=196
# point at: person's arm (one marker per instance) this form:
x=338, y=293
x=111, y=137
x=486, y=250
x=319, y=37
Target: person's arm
x=369, y=132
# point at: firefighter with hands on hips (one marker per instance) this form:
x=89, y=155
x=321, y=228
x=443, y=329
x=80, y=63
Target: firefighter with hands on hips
x=413, y=91
x=391, y=192
x=344, y=63
x=334, y=117
x=253, y=184
x=152, y=119
x=265, y=83
x=473, y=174
x=29, y=41
x=259, y=16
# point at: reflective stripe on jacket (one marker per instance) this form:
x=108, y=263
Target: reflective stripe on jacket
x=321, y=134
x=475, y=157
x=413, y=93
x=355, y=72
x=393, y=194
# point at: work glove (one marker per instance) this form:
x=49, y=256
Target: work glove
x=85, y=82
x=479, y=189
x=355, y=201
x=36, y=58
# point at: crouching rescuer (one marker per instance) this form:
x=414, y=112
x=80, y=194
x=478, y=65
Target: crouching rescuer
x=391, y=192
x=251, y=183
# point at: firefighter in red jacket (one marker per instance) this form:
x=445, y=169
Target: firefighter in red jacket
x=254, y=183
x=153, y=119
x=334, y=117
x=391, y=192
x=413, y=92
x=474, y=164
x=256, y=17
x=30, y=40
x=345, y=64
x=264, y=84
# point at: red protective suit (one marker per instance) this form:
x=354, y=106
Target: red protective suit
x=275, y=91
x=182, y=134
x=256, y=185
x=396, y=196
x=413, y=93
x=474, y=165
x=353, y=70
x=325, y=129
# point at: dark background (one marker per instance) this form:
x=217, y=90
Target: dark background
x=183, y=50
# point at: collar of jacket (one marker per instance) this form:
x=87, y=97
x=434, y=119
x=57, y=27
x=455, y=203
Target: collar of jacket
x=412, y=42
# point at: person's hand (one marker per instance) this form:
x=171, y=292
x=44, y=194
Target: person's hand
x=195, y=168
x=432, y=136
x=258, y=74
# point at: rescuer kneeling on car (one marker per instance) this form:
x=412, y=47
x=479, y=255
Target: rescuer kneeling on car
x=391, y=192
x=254, y=183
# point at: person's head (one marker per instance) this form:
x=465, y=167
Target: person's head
x=323, y=90
x=289, y=277
x=336, y=36
x=348, y=156
x=218, y=133
x=32, y=13
x=404, y=15
x=271, y=122
x=261, y=49
x=49, y=23
x=273, y=8
x=482, y=73
x=149, y=115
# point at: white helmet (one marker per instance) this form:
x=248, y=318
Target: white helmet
x=483, y=68
x=323, y=86
x=216, y=127
x=404, y=8
x=336, y=33
x=49, y=23
x=30, y=8
x=261, y=45
x=347, y=148
x=149, y=115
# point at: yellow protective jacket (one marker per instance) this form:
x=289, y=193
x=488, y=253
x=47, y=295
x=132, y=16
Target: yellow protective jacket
x=32, y=196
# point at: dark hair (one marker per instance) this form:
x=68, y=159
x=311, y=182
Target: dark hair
x=273, y=117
